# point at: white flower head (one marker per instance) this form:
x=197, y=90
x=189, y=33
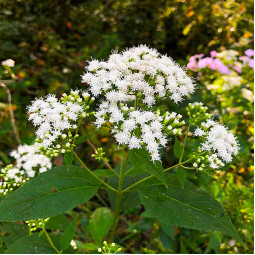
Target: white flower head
x=130, y=83
x=219, y=141
x=8, y=62
x=57, y=118
x=29, y=163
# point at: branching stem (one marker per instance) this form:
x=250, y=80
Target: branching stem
x=105, y=161
x=118, y=198
x=151, y=176
x=95, y=176
x=50, y=241
x=184, y=144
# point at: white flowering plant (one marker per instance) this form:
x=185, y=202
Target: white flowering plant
x=127, y=95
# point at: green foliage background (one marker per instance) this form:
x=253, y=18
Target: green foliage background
x=50, y=42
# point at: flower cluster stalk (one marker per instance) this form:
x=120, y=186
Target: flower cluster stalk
x=118, y=198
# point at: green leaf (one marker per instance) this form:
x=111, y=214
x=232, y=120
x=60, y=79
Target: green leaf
x=141, y=160
x=51, y=193
x=181, y=175
x=89, y=246
x=59, y=222
x=100, y=223
x=68, y=159
x=13, y=232
x=68, y=235
x=83, y=139
x=186, y=207
x=31, y=245
x=103, y=172
x=177, y=148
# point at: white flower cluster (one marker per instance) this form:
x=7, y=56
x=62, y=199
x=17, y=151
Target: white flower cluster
x=139, y=71
x=57, y=118
x=219, y=141
x=137, y=128
x=8, y=62
x=29, y=162
x=130, y=82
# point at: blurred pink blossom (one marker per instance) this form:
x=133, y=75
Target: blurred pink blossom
x=213, y=53
x=251, y=63
x=249, y=53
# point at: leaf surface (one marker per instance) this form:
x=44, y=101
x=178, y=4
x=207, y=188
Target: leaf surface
x=100, y=223
x=186, y=207
x=51, y=193
x=68, y=235
x=141, y=160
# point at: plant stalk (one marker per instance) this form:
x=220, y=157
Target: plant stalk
x=118, y=200
x=105, y=161
x=184, y=144
x=151, y=176
x=95, y=176
x=50, y=241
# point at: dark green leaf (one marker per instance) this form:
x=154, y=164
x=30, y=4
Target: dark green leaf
x=177, y=148
x=83, y=138
x=103, y=172
x=186, y=207
x=13, y=232
x=181, y=175
x=31, y=245
x=100, y=223
x=51, y=193
x=68, y=235
x=141, y=160
x=59, y=222
x=68, y=158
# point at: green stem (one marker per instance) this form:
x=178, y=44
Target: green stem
x=101, y=200
x=118, y=198
x=95, y=176
x=105, y=161
x=151, y=176
x=50, y=241
x=184, y=144
x=127, y=237
x=185, y=167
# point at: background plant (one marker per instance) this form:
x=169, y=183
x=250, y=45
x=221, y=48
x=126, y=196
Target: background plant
x=50, y=52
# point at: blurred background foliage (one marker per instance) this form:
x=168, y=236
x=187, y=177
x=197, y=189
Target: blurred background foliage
x=50, y=42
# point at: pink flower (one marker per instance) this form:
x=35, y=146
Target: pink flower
x=249, y=53
x=251, y=63
x=202, y=63
x=238, y=67
x=244, y=59
x=192, y=65
x=221, y=67
x=213, y=53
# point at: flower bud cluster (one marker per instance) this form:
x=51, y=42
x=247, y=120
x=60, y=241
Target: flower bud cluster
x=203, y=162
x=58, y=120
x=197, y=113
x=99, y=155
x=172, y=123
x=218, y=141
x=29, y=163
x=109, y=248
x=10, y=179
x=36, y=224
